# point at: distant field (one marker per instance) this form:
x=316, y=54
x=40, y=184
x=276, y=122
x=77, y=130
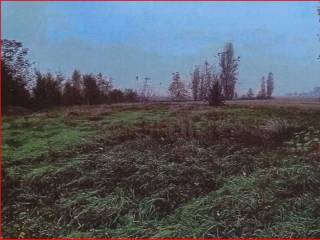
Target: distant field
x=282, y=102
x=247, y=169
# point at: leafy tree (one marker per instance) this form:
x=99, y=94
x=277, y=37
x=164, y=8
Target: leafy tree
x=250, y=94
x=67, y=96
x=104, y=84
x=177, y=88
x=195, y=83
x=215, y=96
x=229, y=70
x=15, y=72
x=71, y=95
x=91, y=90
x=206, y=79
x=115, y=96
x=270, y=85
x=76, y=88
x=262, y=93
x=76, y=79
x=130, y=95
x=202, y=90
x=47, y=92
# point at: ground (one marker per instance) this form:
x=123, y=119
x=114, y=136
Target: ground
x=246, y=169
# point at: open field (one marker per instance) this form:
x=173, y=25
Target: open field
x=295, y=102
x=247, y=169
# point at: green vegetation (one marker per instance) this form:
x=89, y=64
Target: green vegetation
x=162, y=170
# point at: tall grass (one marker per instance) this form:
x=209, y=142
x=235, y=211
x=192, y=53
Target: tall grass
x=181, y=171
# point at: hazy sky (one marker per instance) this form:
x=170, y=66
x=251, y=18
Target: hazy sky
x=152, y=39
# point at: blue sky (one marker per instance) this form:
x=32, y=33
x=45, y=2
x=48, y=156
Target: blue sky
x=152, y=39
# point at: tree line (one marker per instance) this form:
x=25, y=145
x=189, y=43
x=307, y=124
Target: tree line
x=22, y=86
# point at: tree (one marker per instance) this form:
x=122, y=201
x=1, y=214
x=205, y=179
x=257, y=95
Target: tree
x=71, y=95
x=15, y=72
x=91, y=91
x=229, y=70
x=67, y=95
x=195, y=83
x=104, y=84
x=76, y=80
x=262, y=93
x=130, y=95
x=202, y=90
x=47, y=92
x=250, y=94
x=206, y=78
x=115, y=96
x=177, y=88
x=215, y=96
x=270, y=85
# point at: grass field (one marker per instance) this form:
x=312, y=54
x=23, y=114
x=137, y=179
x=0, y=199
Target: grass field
x=247, y=169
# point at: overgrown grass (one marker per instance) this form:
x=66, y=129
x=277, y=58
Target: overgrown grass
x=162, y=171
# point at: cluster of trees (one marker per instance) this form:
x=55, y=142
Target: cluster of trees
x=206, y=84
x=55, y=90
x=215, y=87
x=266, y=89
x=21, y=86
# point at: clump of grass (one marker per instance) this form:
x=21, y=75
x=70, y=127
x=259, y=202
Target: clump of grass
x=279, y=130
x=305, y=141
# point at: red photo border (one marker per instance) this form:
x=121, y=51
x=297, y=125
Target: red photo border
x=1, y=236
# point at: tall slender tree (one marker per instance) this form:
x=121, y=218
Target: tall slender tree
x=207, y=79
x=262, y=93
x=270, y=85
x=76, y=79
x=205, y=82
x=229, y=65
x=195, y=83
x=91, y=89
x=202, y=90
x=250, y=94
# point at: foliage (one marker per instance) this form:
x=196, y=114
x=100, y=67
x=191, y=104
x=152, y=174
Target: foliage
x=195, y=83
x=229, y=69
x=215, y=94
x=47, y=92
x=15, y=74
x=91, y=91
x=263, y=92
x=250, y=94
x=177, y=89
x=270, y=85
